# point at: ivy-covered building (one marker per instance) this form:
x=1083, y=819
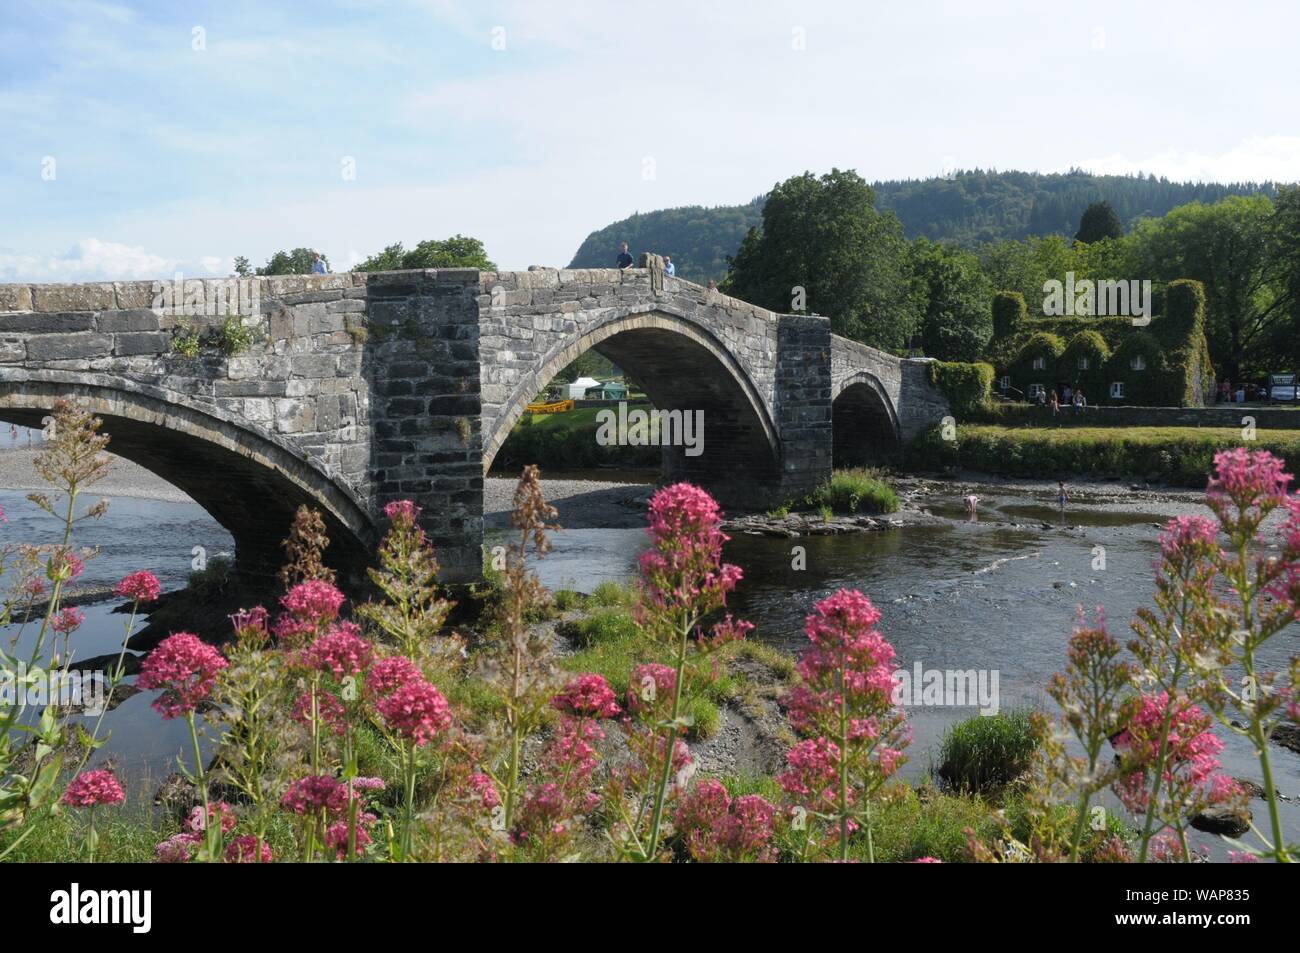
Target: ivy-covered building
x=1112, y=360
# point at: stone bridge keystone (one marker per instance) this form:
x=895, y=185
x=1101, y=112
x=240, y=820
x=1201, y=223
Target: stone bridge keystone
x=360, y=389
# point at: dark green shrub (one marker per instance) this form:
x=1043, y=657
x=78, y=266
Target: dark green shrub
x=967, y=386
x=1009, y=313
x=985, y=753
x=854, y=491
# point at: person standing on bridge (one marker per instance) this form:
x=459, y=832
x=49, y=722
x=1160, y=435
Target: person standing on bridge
x=669, y=267
x=318, y=264
x=624, y=257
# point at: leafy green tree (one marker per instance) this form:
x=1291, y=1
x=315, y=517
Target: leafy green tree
x=1099, y=221
x=295, y=262
x=1285, y=254
x=954, y=299
x=242, y=267
x=1229, y=247
x=823, y=234
x=458, y=251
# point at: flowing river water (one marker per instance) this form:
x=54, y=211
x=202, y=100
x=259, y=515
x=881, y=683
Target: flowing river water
x=997, y=596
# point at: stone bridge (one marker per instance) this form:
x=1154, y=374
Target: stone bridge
x=358, y=389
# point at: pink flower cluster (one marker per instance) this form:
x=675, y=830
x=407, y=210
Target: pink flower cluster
x=142, y=586
x=587, y=696
x=185, y=668
x=340, y=651
x=1188, y=538
x=416, y=710
x=67, y=620
x=245, y=850
x=197, y=822
x=716, y=828
x=92, y=788
x=408, y=703
x=309, y=607
x=1245, y=481
x=849, y=652
x=314, y=793
x=330, y=711
x=389, y=674
x=1190, y=749
x=684, y=565
x=402, y=511
x=812, y=772
x=651, y=688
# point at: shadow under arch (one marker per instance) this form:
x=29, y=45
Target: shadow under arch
x=680, y=366
x=249, y=484
x=864, y=423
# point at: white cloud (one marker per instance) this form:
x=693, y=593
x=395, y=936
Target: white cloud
x=1260, y=159
x=91, y=259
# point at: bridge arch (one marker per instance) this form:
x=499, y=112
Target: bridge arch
x=246, y=481
x=681, y=366
x=864, y=422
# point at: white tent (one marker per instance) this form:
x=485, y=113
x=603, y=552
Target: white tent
x=578, y=389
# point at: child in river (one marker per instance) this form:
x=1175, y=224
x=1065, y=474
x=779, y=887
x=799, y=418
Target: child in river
x=1061, y=496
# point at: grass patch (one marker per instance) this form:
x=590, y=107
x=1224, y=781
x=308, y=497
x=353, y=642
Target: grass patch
x=857, y=490
x=984, y=754
x=612, y=594
x=603, y=625
x=926, y=823
x=1177, y=455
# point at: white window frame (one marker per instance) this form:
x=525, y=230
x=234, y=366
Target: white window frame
x=1083, y=363
x=1039, y=363
x=1117, y=390
x=1137, y=363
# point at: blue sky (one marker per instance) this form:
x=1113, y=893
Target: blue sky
x=143, y=138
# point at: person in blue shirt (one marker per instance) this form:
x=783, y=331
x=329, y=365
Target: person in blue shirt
x=318, y=264
x=624, y=259
x=669, y=267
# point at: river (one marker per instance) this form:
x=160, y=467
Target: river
x=995, y=596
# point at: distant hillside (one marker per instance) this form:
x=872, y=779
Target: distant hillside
x=699, y=239
x=969, y=208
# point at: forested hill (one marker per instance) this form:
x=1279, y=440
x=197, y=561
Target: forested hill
x=967, y=208
x=699, y=239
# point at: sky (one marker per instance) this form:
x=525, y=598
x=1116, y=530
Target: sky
x=142, y=139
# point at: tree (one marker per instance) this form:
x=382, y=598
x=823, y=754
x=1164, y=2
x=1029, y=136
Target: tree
x=825, y=247
x=1229, y=247
x=295, y=262
x=1285, y=254
x=455, y=252
x=1099, y=221
x=953, y=297
x=242, y=267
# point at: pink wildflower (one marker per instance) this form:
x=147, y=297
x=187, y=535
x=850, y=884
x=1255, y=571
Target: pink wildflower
x=67, y=620
x=185, y=669
x=340, y=651
x=245, y=849
x=142, y=586
x=329, y=710
x=402, y=511
x=92, y=788
x=389, y=674
x=177, y=849
x=316, y=792
x=587, y=696
x=416, y=710
x=198, y=823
